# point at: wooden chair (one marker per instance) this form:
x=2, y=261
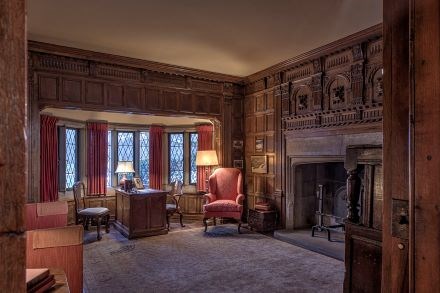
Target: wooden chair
x=175, y=195
x=84, y=215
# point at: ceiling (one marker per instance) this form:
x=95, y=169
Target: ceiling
x=237, y=37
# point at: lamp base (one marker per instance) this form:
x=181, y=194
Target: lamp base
x=122, y=181
x=206, y=180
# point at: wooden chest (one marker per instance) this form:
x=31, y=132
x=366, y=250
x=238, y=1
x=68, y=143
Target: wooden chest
x=262, y=221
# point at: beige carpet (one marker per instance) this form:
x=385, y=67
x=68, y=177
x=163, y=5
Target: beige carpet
x=188, y=260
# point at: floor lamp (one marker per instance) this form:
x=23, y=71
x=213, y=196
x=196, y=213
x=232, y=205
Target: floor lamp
x=206, y=159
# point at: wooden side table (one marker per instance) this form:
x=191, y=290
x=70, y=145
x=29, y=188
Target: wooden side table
x=262, y=221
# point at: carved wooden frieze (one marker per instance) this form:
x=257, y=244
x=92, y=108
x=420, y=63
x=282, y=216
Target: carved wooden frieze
x=45, y=62
x=206, y=86
x=60, y=63
x=255, y=86
x=162, y=79
x=341, y=88
x=299, y=72
x=117, y=72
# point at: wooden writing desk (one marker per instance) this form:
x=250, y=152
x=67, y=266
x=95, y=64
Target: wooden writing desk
x=142, y=213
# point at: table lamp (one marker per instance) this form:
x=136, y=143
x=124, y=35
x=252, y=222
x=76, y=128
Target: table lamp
x=123, y=168
x=206, y=159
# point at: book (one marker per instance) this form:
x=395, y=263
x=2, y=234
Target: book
x=38, y=280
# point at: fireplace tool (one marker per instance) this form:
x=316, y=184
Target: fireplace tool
x=320, y=213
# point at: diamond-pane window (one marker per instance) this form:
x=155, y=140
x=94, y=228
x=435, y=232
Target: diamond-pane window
x=125, y=150
x=109, y=158
x=144, y=160
x=193, y=140
x=176, y=157
x=71, y=157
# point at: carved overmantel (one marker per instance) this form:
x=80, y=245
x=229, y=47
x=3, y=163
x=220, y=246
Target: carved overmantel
x=323, y=100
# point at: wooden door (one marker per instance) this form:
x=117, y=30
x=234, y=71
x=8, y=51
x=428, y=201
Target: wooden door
x=411, y=255
x=425, y=148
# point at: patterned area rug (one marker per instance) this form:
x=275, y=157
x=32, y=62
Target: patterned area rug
x=220, y=260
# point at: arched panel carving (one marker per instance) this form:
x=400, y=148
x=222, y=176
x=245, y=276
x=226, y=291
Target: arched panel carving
x=303, y=99
x=338, y=91
x=377, y=86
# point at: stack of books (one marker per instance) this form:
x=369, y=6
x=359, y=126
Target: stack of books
x=263, y=206
x=38, y=280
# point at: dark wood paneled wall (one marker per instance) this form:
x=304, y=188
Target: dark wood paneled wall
x=65, y=77
x=13, y=145
x=338, y=86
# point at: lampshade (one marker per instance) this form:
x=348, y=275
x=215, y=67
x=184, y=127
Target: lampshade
x=206, y=158
x=125, y=167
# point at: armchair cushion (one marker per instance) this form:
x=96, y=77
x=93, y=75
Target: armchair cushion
x=56, y=237
x=223, y=205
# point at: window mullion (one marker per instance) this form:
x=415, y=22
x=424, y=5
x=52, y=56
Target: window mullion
x=62, y=158
x=136, y=152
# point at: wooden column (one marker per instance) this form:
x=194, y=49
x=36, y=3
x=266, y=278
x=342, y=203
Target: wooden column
x=396, y=137
x=13, y=162
x=425, y=150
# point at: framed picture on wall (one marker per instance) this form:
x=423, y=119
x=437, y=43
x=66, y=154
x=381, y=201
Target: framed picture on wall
x=259, y=145
x=238, y=164
x=138, y=183
x=259, y=164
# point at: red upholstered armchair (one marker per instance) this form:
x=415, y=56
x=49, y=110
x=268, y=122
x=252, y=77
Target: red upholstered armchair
x=52, y=244
x=225, y=197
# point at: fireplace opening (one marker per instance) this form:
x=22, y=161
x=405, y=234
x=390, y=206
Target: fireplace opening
x=320, y=195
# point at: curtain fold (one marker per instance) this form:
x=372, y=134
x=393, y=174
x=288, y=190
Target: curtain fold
x=48, y=158
x=155, y=157
x=97, y=146
x=204, y=143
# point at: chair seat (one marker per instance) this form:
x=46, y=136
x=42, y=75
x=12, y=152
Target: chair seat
x=171, y=207
x=222, y=205
x=94, y=212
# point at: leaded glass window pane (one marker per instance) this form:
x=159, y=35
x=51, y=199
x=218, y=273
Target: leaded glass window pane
x=125, y=150
x=144, y=164
x=71, y=157
x=176, y=157
x=193, y=140
x=109, y=158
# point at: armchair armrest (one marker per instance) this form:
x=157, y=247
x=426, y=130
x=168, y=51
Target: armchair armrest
x=239, y=199
x=46, y=215
x=209, y=197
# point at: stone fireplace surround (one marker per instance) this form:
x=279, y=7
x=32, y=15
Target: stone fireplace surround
x=318, y=149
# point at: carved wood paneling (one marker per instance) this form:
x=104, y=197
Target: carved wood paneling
x=72, y=90
x=94, y=93
x=115, y=95
x=48, y=87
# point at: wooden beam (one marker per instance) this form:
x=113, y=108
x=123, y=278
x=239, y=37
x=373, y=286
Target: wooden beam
x=13, y=162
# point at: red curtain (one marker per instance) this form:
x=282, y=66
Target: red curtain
x=48, y=158
x=204, y=143
x=97, y=145
x=155, y=156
